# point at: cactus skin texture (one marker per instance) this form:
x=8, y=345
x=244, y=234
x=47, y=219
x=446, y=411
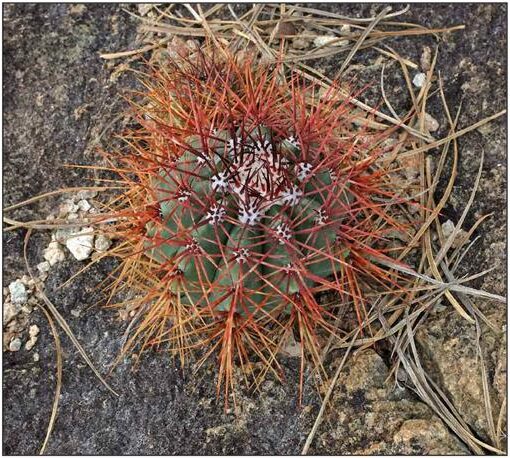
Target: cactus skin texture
x=250, y=192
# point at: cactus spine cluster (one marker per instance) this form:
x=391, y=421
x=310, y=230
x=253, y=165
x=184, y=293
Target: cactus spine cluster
x=250, y=192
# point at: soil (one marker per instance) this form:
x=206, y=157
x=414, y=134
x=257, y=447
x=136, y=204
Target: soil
x=59, y=96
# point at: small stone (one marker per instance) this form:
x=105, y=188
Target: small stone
x=485, y=129
x=419, y=79
x=35, y=357
x=30, y=344
x=299, y=43
x=144, y=8
x=76, y=313
x=84, y=194
x=27, y=309
x=62, y=234
x=10, y=310
x=72, y=216
x=325, y=40
x=15, y=344
x=102, y=243
x=18, y=292
x=67, y=207
x=81, y=246
x=346, y=28
x=410, y=166
x=54, y=253
x=77, y=9
x=425, y=58
x=5, y=290
x=33, y=330
x=460, y=237
x=25, y=279
x=193, y=45
x=448, y=228
x=431, y=123
x=84, y=205
x=43, y=266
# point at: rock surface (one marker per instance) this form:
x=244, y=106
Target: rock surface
x=368, y=415
x=59, y=97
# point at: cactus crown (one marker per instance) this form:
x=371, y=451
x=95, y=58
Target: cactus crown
x=250, y=192
x=243, y=210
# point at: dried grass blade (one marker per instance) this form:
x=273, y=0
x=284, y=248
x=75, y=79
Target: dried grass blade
x=361, y=39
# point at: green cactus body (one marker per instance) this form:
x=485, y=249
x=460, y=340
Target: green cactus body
x=239, y=214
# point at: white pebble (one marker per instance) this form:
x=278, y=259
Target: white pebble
x=324, y=40
x=82, y=195
x=15, y=344
x=61, y=235
x=84, y=205
x=43, y=266
x=81, y=246
x=36, y=357
x=33, y=330
x=54, y=253
x=102, y=243
x=18, y=292
x=448, y=227
x=30, y=343
x=419, y=79
x=431, y=123
x=67, y=207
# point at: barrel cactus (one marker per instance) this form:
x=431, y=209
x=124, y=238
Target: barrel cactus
x=251, y=191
